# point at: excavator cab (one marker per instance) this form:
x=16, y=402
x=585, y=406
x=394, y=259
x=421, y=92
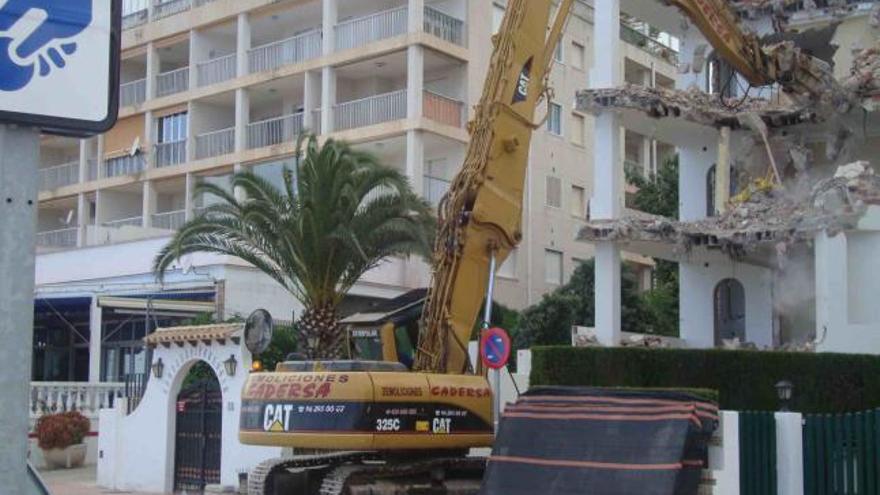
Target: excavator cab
x=388, y=331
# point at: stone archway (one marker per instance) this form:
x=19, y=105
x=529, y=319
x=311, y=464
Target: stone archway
x=730, y=311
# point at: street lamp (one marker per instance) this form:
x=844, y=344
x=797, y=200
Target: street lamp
x=230, y=364
x=784, y=391
x=158, y=368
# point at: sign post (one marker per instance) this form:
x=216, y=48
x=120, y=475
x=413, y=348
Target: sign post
x=495, y=352
x=59, y=74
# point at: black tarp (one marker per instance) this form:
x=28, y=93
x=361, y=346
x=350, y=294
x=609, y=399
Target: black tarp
x=567, y=440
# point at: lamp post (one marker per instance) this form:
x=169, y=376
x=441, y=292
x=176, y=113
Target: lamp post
x=158, y=368
x=230, y=365
x=784, y=390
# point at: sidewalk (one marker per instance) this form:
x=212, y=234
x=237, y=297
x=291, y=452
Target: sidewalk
x=79, y=481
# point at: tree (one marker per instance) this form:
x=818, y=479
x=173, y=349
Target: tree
x=341, y=215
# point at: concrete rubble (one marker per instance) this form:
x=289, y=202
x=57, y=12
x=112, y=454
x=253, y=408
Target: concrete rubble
x=694, y=105
x=772, y=220
x=864, y=77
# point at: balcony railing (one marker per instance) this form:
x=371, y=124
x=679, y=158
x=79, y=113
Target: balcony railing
x=170, y=7
x=135, y=19
x=61, y=238
x=124, y=165
x=444, y=26
x=434, y=189
x=170, y=153
x=217, y=70
x=293, y=50
x=648, y=44
x=375, y=27
x=215, y=143
x=133, y=93
x=124, y=222
x=59, y=176
x=175, y=81
x=369, y=111
x=274, y=131
x=87, y=398
x=172, y=220
x=443, y=109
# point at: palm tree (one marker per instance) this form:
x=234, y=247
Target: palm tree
x=341, y=215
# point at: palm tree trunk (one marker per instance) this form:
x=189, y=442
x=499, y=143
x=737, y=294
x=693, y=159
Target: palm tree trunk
x=321, y=336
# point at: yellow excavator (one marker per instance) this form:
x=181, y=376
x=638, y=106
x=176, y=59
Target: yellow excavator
x=401, y=416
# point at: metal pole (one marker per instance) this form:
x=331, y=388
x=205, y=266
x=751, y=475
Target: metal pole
x=19, y=156
x=487, y=318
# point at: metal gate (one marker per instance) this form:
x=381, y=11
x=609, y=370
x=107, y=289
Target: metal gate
x=842, y=454
x=757, y=453
x=198, y=436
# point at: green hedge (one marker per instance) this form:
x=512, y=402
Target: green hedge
x=823, y=383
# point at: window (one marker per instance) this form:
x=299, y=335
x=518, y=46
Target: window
x=576, y=55
x=578, y=202
x=552, y=267
x=497, y=17
x=577, y=129
x=508, y=268
x=558, y=53
x=172, y=128
x=554, y=119
x=554, y=192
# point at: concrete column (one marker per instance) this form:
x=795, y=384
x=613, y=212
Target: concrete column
x=789, y=453
x=152, y=68
x=415, y=159
x=150, y=138
x=243, y=43
x=149, y=202
x=606, y=203
x=189, y=197
x=415, y=81
x=832, y=318
x=242, y=118
x=99, y=212
x=655, y=165
x=722, y=171
x=195, y=56
x=99, y=159
x=328, y=99
x=311, y=101
x=96, y=335
x=416, y=16
x=724, y=458
x=330, y=17
x=84, y=146
x=82, y=219
x=646, y=155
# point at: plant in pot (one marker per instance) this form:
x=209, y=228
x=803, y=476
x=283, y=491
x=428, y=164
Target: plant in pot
x=61, y=436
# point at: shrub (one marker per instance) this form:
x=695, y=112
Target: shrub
x=745, y=380
x=59, y=431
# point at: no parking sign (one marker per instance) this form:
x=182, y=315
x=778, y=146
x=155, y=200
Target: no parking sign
x=495, y=348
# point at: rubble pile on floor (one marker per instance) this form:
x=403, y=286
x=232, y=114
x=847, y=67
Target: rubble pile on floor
x=693, y=105
x=865, y=73
x=774, y=218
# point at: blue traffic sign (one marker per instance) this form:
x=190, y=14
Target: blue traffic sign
x=495, y=348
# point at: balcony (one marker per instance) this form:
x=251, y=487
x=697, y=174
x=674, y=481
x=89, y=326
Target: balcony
x=444, y=26
x=434, y=189
x=135, y=19
x=274, y=131
x=293, y=50
x=217, y=70
x=124, y=165
x=648, y=44
x=215, y=143
x=370, y=111
x=443, y=109
x=170, y=153
x=58, y=239
x=363, y=30
x=59, y=176
x=87, y=398
x=133, y=93
x=172, y=82
x=167, y=8
x=124, y=222
x=172, y=220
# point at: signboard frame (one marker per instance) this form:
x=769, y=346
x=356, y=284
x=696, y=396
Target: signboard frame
x=76, y=127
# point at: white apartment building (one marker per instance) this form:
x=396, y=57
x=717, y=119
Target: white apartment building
x=212, y=87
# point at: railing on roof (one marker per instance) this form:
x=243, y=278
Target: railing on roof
x=60, y=238
x=172, y=82
x=124, y=222
x=133, y=93
x=288, y=51
x=434, y=188
x=217, y=70
x=59, y=176
x=135, y=19
x=170, y=153
x=87, y=398
x=170, y=220
x=170, y=7
x=370, y=110
x=124, y=165
x=374, y=27
x=443, y=109
x=444, y=26
x=648, y=44
x=278, y=130
x=215, y=143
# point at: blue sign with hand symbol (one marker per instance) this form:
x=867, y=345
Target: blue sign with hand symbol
x=59, y=64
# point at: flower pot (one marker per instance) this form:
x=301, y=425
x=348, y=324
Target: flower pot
x=70, y=457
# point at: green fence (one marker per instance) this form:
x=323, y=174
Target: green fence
x=757, y=453
x=842, y=454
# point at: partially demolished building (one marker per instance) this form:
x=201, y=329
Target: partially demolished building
x=778, y=235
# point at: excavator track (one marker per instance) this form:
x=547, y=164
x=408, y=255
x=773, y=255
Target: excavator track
x=369, y=473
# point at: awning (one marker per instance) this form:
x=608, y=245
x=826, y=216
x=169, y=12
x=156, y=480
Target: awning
x=167, y=305
x=195, y=334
